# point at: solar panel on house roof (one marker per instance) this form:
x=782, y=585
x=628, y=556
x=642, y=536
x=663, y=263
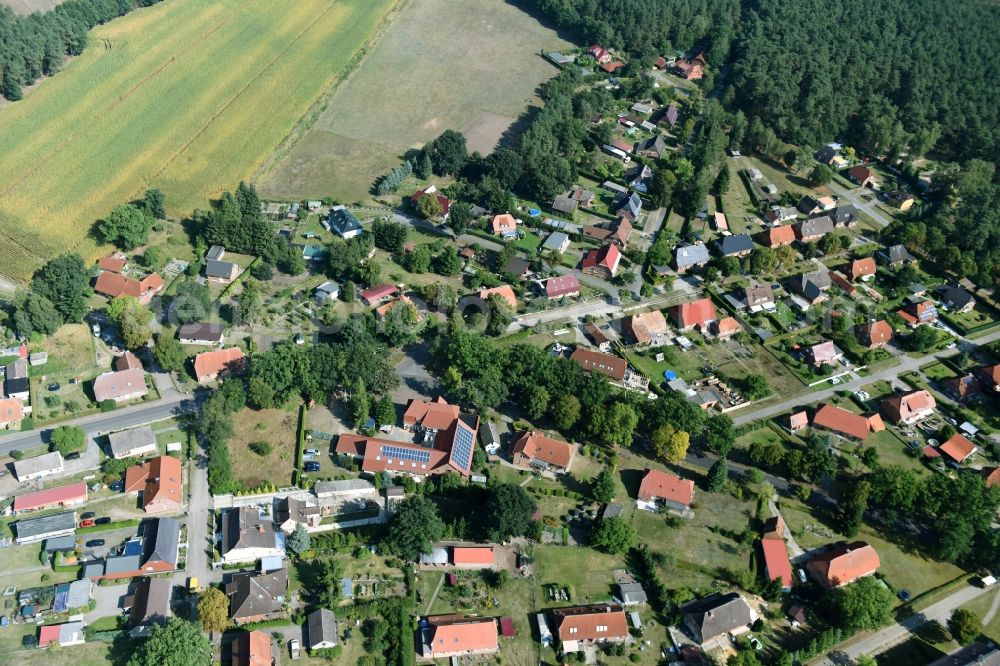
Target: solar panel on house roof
x=401, y=453
x=132, y=547
x=462, y=450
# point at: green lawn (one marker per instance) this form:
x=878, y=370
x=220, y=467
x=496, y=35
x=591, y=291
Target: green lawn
x=586, y=572
x=977, y=316
x=901, y=567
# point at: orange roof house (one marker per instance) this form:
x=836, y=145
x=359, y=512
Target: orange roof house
x=991, y=475
x=11, y=412
x=798, y=421
x=446, y=636
x=909, y=407
x=473, y=556
x=698, y=313
x=579, y=626
x=69, y=495
x=605, y=364
x=436, y=415
x=726, y=327
x=532, y=450
x=504, y=291
x=988, y=376
x=861, y=268
x=114, y=263
x=210, y=365
x=774, y=528
x=115, y=284
x=252, y=648
x=776, y=563
x=647, y=326
x=876, y=334
x=957, y=448
x=843, y=564
x=404, y=300
x=663, y=487
x=841, y=421
x=603, y=261
x=777, y=236
x=504, y=225
x=159, y=481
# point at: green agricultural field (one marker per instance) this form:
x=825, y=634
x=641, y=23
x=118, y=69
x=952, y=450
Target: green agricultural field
x=443, y=64
x=188, y=96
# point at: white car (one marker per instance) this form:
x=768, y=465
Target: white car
x=835, y=380
x=293, y=648
x=312, y=452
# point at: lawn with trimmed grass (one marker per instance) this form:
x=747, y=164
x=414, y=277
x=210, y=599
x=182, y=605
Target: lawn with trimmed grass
x=586, y=572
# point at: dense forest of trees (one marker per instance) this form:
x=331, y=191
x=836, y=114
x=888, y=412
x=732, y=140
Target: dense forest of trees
x=891, y=77
x=36, y=45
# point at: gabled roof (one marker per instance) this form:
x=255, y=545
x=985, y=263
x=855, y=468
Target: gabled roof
x=562, y=285
x=908, y=405
x=152, y=601
x=252, y=593
x=898, y=253
x=876, y=333
x=736, y=244
x=51, y=497
x=861, y=268
x=695, y=313
x=782, y=234
x=504, y=222
x=159, y=480
x=115, y=284
x=664, y=485
x=606, y=257
x=590, y=623
x=451, y=633
x=726, y=326
x=811, y=285
x=205, y=331
x=161, y=540
x=822, y=352
x=322, y=624
x=123, y=442
x=776, y=560
x=220, y=269
x=817, y=226
x=647, y=325
x=56, y=522
x=957, y=298
x=117, y=385
x=114, y=263
x=859, y=173
x=844, y=214
x=758, y=294
x=536, y=446
x=844, y=564
x=842, y=421
x=252, y=648
x=127, y=361
x=342, y=221
x=212, y=363
x=691, y=255
x=504, y=291
x=718, y=614
x=244, y=528
x=605, y=364
x=958, y=448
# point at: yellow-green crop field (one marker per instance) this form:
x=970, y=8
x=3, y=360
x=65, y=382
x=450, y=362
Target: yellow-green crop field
x=189, y=96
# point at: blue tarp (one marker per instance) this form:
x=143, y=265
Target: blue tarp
x=669, y=375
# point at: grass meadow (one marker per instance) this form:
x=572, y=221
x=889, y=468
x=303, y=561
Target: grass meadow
x=469, y=65
x=187, y=96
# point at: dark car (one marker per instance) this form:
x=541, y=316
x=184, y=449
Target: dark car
x=103, y=521
x=54, y=386
x=87, y=514
x=73, y=456
x=311, y=467
x=117, y=486
x=95, y=543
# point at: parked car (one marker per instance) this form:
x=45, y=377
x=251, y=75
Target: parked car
x=54, y=386
x=95, y=543
x=73, y=456
x=89, y=522
x=293, y=648
x=117, y=486
x=312, y=452
x=103, y=521
x=87, y=514
x=311, y=467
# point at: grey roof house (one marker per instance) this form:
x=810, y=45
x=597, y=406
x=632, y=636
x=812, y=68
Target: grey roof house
x=151, y=605
x=897, y=254
x=134, y=442
x=343, y=223
x=203, y=333
x=958, y=299
x=30, y=530
x=246, y=536
x=322, y=626
x=689, y=256
x=717, y=615
x=221, y=271
x=255, y=596
x=160, y=541
x=556, y=242
x=811, y=285
x=735, y=246
x=630, y=594
x=628, y=207
x=844, y=215
x=328, y=291
x=215, y=253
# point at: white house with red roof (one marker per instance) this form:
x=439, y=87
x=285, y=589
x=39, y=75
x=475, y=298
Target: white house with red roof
x=602, y=262
x=562, y=286
x=663, y=489
x=696, y=314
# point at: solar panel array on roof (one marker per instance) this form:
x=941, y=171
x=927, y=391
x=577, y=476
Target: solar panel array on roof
x=462, y=450
x=132, y=547
x=400, y=453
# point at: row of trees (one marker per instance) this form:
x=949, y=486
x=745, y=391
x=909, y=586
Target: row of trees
x=36, y=45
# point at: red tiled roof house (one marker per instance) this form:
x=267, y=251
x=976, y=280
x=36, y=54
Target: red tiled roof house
x=663, y=489
x=532, y=450
x=843, y=564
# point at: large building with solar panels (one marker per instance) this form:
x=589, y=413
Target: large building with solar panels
x=440, y=439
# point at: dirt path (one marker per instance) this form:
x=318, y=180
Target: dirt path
x=993, y=610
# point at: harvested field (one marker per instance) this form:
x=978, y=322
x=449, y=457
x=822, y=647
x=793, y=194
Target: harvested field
x=471, y=65
x=188, y=96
